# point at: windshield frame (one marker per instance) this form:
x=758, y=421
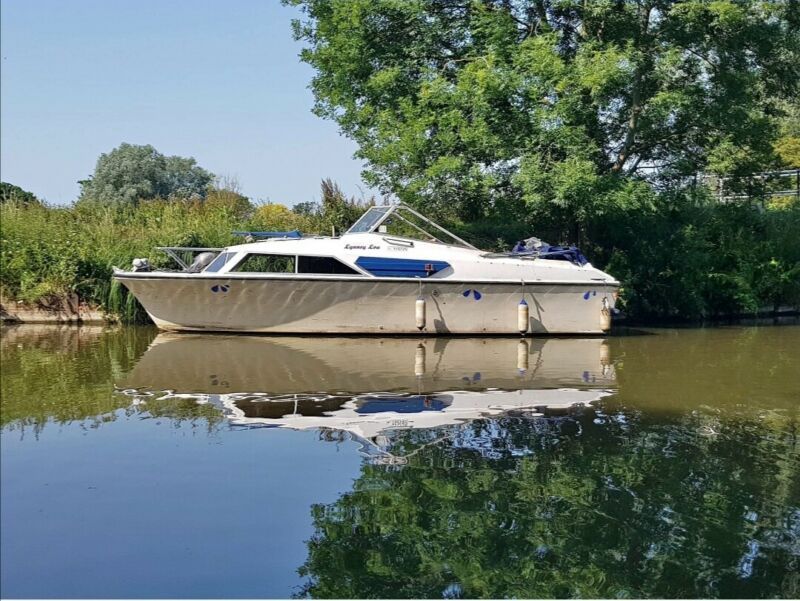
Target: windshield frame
x=375, y=216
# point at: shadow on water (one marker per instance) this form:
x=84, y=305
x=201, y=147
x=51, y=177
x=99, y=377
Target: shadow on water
x=656, y=463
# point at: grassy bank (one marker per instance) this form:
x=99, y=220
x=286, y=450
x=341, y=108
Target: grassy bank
x=692, y=258
x=685, y=259
x=52, y=252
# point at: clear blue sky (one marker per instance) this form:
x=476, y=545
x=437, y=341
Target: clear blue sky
x=217, y=80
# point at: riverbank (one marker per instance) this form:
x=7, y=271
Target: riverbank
x=64, y=311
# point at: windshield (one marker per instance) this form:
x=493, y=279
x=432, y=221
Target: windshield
x=217, y=263
x=368, y=220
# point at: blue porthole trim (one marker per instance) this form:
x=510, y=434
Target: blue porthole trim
x=401, y=268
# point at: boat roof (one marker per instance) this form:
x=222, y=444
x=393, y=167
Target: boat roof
x=376, y=216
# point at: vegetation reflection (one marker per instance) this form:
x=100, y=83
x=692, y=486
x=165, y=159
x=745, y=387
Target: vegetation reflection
x=67, y=374
x=597, y=504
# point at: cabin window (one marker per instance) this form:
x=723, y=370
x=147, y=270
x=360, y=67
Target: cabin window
x=323, y=265
x=219, y=262
x=257, y=263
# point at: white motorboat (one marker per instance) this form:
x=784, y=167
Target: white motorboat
x=393, y=272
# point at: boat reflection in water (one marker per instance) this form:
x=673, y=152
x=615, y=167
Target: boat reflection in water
x=368, y=387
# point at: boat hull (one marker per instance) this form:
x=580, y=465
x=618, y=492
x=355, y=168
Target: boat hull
x=367, y=305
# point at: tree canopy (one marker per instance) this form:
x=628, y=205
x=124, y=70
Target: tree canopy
x=131, y=173
x=477, y=107
x=12, y=193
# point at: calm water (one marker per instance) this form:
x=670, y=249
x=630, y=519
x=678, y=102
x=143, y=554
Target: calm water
x=663, y=463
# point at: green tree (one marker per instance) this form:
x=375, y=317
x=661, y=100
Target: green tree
x=131, y=173
x=237, y=205
x=788, y=149
x=12, y=193
x=305, y=208
x=546, y=107
x=278, y=217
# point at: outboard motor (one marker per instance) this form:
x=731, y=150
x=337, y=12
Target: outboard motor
x=200, y=262
x=141, y=265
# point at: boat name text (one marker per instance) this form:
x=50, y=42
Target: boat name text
x=362, y=247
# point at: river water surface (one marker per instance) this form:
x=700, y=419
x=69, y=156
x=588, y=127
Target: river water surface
x=653, y=463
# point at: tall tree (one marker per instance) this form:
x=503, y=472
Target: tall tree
x=131, y=173
x=482, y=106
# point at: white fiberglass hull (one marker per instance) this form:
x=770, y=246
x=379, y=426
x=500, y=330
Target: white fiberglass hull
x=349, y=305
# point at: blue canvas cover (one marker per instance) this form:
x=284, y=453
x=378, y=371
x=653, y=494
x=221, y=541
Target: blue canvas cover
x=543, y=250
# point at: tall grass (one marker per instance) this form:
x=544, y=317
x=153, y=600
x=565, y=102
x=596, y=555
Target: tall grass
x=51, y=254
x=54, y=253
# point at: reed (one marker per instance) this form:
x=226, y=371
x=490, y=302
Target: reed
x=50, y=252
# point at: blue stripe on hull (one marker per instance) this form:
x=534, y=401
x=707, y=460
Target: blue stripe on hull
x=400, y=268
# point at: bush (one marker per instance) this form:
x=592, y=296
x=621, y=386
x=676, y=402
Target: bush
x=11, y=193
x=690, y=258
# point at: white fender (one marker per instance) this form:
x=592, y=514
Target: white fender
x=522, y=316
x=419, y=313
x=605, y=316
x=522, y=356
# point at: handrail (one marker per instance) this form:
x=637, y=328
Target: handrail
x=190, y=248
x=291, y=234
